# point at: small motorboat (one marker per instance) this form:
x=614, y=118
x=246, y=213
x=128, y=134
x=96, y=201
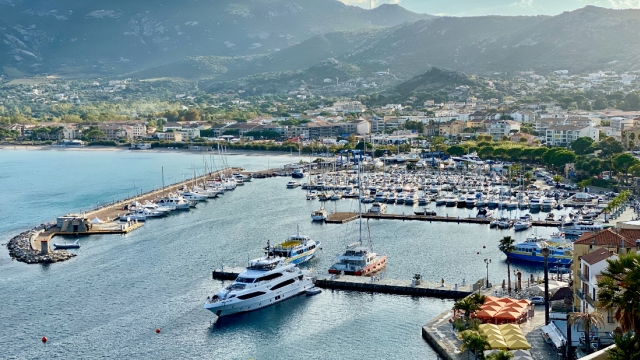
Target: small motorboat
x=64, y=246
x=313, y=291
x=425, y=213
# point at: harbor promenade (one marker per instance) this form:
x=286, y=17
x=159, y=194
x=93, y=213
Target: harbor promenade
x=440, y=334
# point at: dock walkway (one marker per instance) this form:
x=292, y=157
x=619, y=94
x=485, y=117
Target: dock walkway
x=343, y=217
x=371, y=284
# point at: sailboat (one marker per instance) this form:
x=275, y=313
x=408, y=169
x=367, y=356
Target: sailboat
x=359, y=259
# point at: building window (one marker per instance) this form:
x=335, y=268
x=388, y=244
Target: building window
x=610, y=319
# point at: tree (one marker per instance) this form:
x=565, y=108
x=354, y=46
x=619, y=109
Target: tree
x=192, y=115
x=610, y=146
x=582, y=145
x=600, y=104
x=499, y=152
x=514, y=153
x=468, y=305
x=456, y=150
x=538, y=153
x=473, y=341
x=587, y=320
x=93, y=133
x=562, y=157
x=500, y=355
x=485, y=151
x=634, y=170
x=618, y=290
x=507, y=246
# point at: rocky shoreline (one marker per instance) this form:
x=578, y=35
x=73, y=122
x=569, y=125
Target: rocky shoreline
x=20, y=249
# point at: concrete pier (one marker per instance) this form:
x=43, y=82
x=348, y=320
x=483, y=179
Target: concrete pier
x=341, y=218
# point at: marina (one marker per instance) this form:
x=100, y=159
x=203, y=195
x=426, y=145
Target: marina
x=192, y=237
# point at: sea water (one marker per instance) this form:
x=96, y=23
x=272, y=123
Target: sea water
x=108, y=301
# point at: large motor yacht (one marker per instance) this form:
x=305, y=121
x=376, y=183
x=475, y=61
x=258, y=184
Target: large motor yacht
x=266, y=281
x=531, y=251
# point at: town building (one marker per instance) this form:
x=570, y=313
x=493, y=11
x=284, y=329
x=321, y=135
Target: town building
x=564, y=135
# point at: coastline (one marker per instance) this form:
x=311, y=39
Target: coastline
x=233, y=152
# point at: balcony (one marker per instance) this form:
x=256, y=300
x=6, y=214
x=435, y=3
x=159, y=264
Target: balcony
x=591, y=302
x=582, y=277
x=580, y=294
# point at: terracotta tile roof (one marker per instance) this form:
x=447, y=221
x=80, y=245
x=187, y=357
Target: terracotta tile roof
x=596, y=256
x=630, y=234
x=606, y=237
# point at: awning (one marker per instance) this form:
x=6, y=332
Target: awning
x=552, y=334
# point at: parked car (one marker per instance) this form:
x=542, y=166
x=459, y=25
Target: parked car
x=537, y=300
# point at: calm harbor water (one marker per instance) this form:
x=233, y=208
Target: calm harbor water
x=108, y=301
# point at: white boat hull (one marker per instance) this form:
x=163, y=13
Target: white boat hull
x=236, y=306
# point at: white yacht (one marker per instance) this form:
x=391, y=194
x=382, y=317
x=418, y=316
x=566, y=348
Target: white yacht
x=579, y=229
x=176, y=201
x=378, y=208
x=440, y=201
x=297, y=249
x=450, y=201
x=470, y=200
x=549, y=203
x=193, y=196
x=319, y=215
x=266, y=281
x=536, y=203
x=292, y=185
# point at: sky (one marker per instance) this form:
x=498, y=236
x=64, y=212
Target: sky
x=497, y=7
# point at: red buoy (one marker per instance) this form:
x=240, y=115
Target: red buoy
x=158, y=331
x=44, y=339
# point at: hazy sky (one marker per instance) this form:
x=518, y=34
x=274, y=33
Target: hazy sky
x=497, y=7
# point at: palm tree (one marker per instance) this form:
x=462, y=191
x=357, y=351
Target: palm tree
x=557, y=179
x=468, y=305
x=500, y=355
x=587, y=320
x=478, y=298
x=619, y=290
x=473, y=341
x=507, y=246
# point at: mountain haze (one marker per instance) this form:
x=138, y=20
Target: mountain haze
x=115, y=36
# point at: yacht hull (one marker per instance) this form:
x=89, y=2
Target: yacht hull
x=230, y=307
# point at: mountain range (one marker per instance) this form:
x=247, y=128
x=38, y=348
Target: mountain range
x=71, y=36
x=250, y=40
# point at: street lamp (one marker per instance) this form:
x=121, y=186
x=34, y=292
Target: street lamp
x=487, y=262
x=545, y=253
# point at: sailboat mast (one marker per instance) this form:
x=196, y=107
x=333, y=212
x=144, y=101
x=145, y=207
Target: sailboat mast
x=163, y=178
x=359, y=197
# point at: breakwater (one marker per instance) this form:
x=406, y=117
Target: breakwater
x=20, y=248
x=27, y=246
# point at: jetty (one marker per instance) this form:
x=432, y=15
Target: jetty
x=374, y=284
x=343, y=217
x=33, y=246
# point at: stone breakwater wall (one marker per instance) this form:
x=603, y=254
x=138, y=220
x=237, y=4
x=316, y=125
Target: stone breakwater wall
x=20, y=248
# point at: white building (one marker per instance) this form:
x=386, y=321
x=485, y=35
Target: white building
x=500, y=128
x=591, y=266
x=563, y=135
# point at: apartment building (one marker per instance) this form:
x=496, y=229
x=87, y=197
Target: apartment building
x=563, y=135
